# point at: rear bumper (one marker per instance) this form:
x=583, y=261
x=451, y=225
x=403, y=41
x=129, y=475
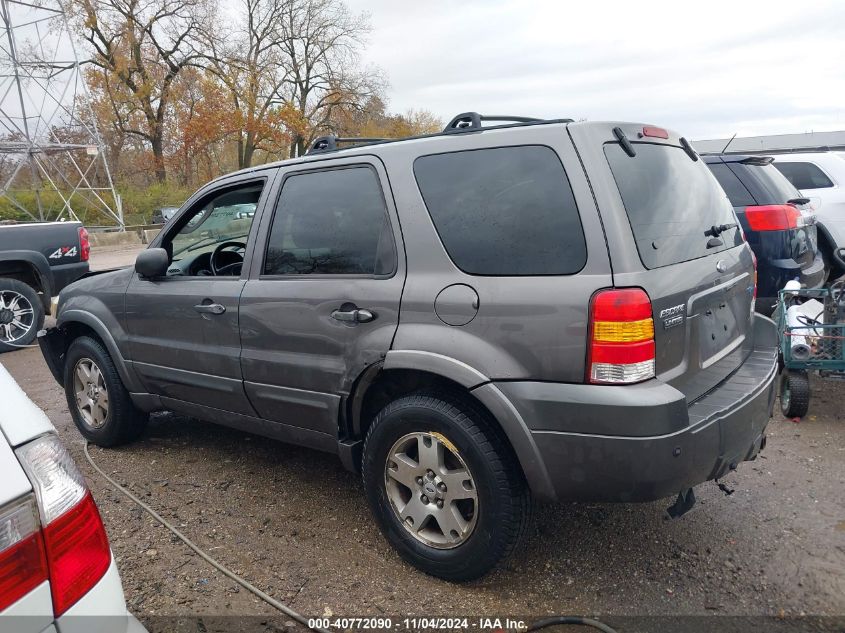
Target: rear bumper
x=640, y=443
x=101, y=610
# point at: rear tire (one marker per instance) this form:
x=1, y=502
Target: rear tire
x=472, y=508
x=21, y=314
x=99, y=403
x=795, y=394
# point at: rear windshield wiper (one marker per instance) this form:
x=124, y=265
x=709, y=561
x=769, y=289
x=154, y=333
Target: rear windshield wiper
x=717, y=229
x=798, y=201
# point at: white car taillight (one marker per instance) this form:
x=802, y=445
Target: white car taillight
x=74, y=538
x=23, y=565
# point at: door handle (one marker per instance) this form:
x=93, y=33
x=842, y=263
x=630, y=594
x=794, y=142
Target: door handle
x=210, y=308
x=355, y=315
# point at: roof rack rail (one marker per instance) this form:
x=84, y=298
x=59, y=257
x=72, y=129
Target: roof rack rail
x=467, y=121
x=329, y=143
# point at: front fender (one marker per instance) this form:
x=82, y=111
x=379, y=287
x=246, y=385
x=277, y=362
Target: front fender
x=105, y=332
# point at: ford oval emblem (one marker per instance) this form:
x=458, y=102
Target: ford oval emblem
x=722, y=266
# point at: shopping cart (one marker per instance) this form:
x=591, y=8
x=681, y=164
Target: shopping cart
x=812, y=339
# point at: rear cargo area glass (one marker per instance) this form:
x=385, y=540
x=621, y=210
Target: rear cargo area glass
x=671, y=200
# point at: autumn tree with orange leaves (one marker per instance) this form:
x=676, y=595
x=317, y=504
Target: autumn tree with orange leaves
x=185, y=90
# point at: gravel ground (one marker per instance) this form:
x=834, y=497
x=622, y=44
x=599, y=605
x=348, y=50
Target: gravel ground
x=295, y=523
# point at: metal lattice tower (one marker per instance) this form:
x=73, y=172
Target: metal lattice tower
x=52, y=163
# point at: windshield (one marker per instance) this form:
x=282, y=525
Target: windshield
x=671, y=201
x=226, y=217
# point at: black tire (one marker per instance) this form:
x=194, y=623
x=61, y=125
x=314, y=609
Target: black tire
x=503, y=500
x=123, y=422
x=794, y=394
x=27, y=292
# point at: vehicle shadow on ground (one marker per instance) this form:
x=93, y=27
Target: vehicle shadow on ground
x=291, y=517
x=565, y=539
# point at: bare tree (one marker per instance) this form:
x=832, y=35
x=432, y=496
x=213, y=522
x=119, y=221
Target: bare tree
x=321, y=43
x=141, y=47
x=248, y=59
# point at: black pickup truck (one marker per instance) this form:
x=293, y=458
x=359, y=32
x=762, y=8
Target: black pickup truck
x=36, y=261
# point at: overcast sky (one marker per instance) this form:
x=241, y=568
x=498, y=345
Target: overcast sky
x=741, y=66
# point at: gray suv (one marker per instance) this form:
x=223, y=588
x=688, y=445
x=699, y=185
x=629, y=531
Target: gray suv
x=532, y=308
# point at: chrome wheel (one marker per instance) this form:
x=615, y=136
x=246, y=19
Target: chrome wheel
x=431, y=490
x=92, y=396
x=17, y=317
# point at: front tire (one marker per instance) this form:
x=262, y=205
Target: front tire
x=99, y=403
x=444, y=486
x=21, y=314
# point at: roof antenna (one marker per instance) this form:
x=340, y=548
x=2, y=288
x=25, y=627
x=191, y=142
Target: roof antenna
x=725, y=148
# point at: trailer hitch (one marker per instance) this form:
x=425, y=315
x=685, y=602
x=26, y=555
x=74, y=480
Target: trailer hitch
x=682, y=505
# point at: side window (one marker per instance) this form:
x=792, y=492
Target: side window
x=737, y=193
x=504, y=211
x=222, y=217
x=804, y=175
x=331, y=222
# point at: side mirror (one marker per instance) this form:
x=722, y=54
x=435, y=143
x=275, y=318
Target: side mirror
x=152, y=262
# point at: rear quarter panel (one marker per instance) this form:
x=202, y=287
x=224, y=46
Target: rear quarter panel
x=526, y=327
x=681, y=359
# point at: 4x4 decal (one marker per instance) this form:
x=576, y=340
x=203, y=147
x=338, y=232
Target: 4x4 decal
x=64, y=251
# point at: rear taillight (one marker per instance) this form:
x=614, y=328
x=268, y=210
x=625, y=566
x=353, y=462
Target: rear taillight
x=773, y=217
x=84, y=245
x=74, y=538
x=621, y=347
x=22, y=563
x=77, y=553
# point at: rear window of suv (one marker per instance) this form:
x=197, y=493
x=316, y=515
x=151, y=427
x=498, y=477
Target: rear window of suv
x=504, y=211
x=671, y=200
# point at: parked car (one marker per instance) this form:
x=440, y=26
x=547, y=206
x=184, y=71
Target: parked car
x=821, y=177
x=36, y=261
x=544, y=324
x=56, y=568
x=778, y=222
x=164, y=214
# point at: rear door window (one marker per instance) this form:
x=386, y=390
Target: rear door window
x=504, y=211
x=671, y=200
x=737, y=193
x=804, y=175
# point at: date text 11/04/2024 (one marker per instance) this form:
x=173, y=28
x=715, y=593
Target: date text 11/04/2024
x=491, y=624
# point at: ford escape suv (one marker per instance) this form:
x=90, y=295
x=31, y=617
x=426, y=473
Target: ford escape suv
x=532, y=308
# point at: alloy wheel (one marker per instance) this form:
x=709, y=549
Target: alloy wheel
x=431, y=490
x=17, y=317
x=92, y=395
